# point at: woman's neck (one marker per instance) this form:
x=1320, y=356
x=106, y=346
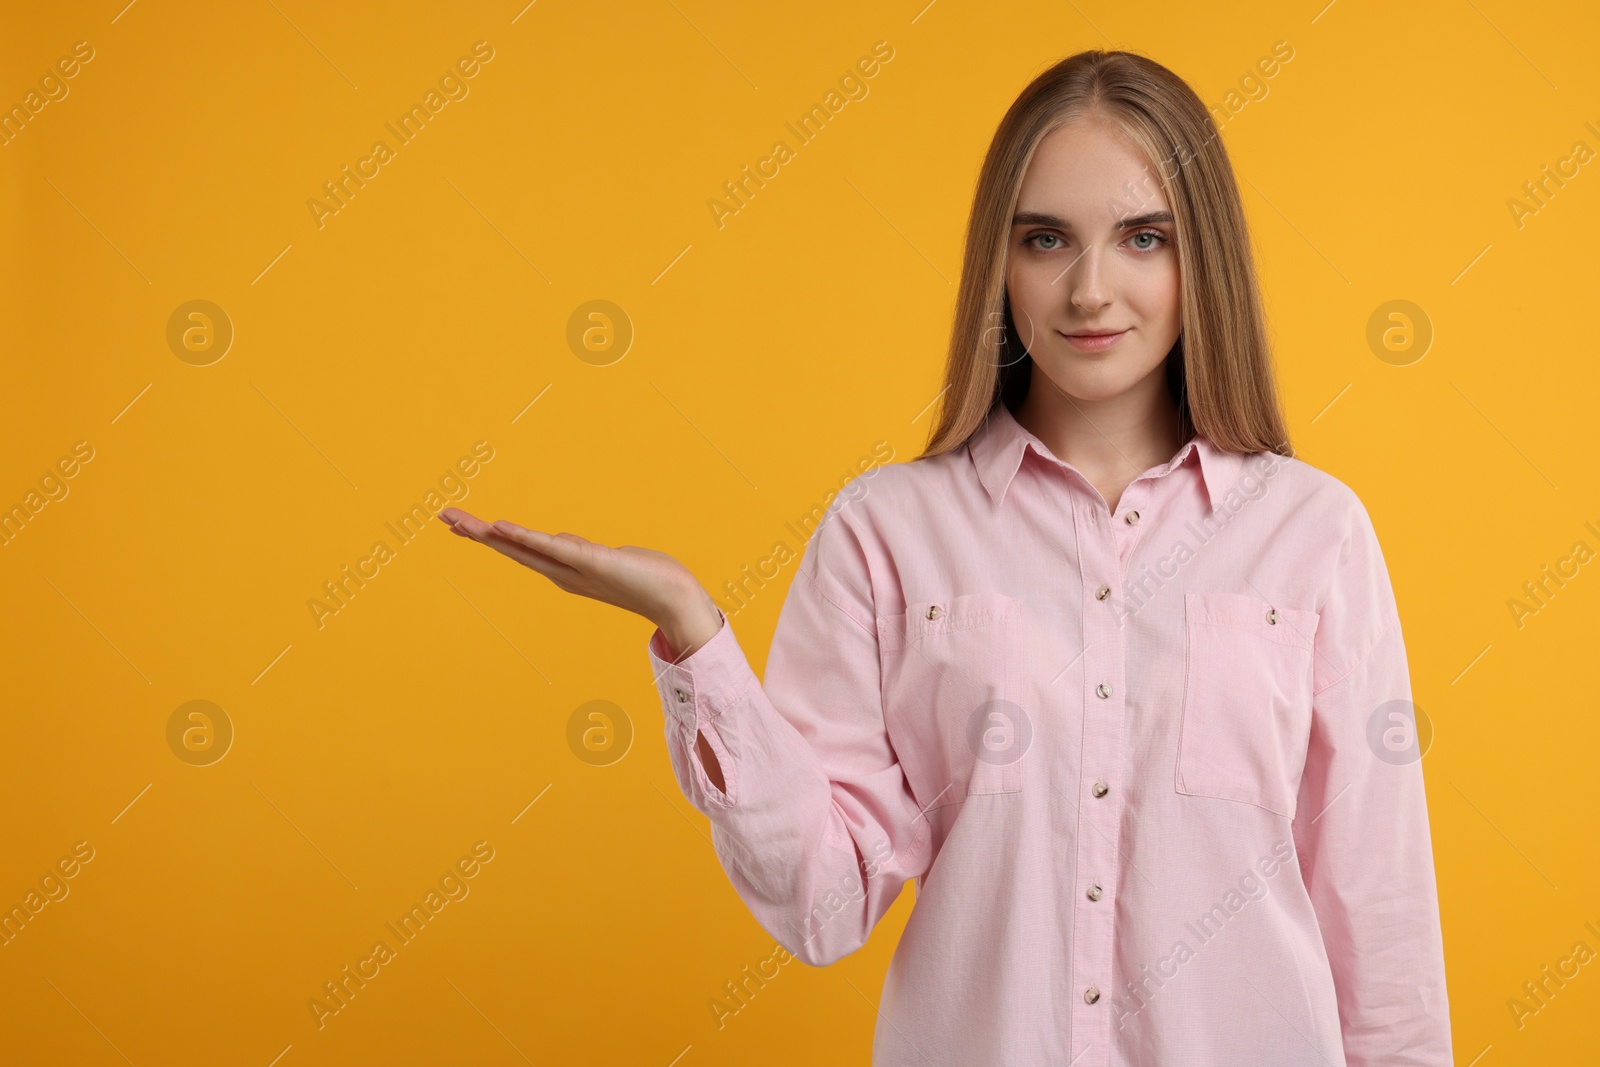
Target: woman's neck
x=1112, y=441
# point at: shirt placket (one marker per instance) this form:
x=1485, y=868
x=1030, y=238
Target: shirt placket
x=1105, y=542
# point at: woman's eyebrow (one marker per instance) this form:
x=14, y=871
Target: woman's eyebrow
x=1039, y=218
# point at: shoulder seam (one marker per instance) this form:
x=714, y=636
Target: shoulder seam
x=823, y=582
x=1393, y=623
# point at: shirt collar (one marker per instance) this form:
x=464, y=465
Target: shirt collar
x=999, y=444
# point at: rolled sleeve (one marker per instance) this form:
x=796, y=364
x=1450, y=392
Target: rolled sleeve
x=1361, y=824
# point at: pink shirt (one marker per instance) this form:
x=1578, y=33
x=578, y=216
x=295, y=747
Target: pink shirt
x=1153, y=772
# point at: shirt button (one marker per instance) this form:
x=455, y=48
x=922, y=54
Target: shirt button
x=1103, y=689
x=1095, y=892
x=934, y=612
x=1103, y=592
x=1091, y=994
x=1100, y=789
x=1133, y=518
x=683, y=698
x=1272, y=617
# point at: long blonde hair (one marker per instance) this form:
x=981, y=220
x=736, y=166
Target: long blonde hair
x=1220, y=371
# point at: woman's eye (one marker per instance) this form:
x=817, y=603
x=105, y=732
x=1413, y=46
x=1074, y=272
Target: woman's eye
x=1157, y=240
x=1144, y=241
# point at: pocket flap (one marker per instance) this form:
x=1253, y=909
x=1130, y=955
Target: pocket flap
x=1246, y=611
x=924, y=618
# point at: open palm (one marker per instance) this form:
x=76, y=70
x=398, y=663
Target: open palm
x=640, y=580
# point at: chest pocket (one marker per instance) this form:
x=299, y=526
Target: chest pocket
x=1246, y=699
x=952, y=685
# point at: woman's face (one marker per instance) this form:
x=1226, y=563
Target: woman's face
x=1092, y=250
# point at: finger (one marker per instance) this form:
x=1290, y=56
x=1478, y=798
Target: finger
x=555, y=570
x=467, y=525
x=566, y=548
x=476, y=529
x=453, y=515
x=461, y=525
x=518, y=543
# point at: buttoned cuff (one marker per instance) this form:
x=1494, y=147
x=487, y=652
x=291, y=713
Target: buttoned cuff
x=704, y=684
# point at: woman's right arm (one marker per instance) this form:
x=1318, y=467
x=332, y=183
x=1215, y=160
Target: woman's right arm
x=812, y=819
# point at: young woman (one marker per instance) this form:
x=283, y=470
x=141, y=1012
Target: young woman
x=1106, y=670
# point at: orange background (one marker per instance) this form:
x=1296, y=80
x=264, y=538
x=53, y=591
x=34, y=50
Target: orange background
x=768, y=357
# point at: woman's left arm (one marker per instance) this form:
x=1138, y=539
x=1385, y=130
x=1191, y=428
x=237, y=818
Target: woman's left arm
x=1361, y=823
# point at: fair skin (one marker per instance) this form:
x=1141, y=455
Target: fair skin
x=1096, y=251
x=1083, y=259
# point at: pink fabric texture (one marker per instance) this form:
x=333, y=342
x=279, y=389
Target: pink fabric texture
x=1148, y=770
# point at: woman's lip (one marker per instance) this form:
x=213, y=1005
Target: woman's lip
x=1094, y=342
